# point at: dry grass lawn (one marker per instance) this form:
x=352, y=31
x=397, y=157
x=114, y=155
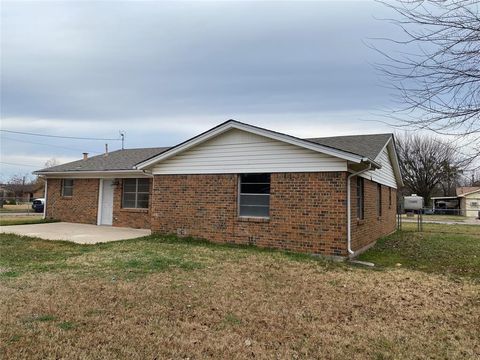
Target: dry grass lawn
x=160, y=297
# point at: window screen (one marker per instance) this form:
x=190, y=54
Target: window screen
x=135, y=193
x=254, y=195
x=67, y=187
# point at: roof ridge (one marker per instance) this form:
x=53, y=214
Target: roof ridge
x=343, y=136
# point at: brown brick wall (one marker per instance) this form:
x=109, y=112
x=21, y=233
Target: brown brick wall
x=135, y=218
x=307, y=211
x=81, y=207
x=372, y=227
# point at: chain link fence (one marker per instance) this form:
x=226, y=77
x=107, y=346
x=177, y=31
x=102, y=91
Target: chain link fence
x=18, y=205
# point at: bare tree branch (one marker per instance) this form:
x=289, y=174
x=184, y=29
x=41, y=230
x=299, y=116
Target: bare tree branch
x=436, y=73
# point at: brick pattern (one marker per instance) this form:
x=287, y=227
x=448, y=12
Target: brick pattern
x=372, y=227
x=81, y=207
x=307, y=211
x=134, y=218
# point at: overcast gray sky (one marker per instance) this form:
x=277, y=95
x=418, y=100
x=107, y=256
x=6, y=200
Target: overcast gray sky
x=165, y=71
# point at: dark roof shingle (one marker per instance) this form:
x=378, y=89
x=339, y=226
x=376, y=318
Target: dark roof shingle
x=116, y=160
x=364, y=145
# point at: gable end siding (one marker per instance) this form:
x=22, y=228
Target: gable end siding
x=238, y=151
x=385, y=175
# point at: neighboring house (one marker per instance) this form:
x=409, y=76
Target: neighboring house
x=469, y=200
x=21, y=192
x=238, y=183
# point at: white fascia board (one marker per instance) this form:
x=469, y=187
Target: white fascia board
x=95, y=174
x=255, y=130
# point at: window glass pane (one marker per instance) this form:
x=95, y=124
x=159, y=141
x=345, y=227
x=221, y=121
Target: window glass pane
x=129, y=185
x=129, y=204
x=254, y=197
x=67, y=187
x=128, y=200
x=255, y=178
x=144, y=185
x=142, y=197
x=255, y=188
x=142, y=204
x=246, y=210
x=254, y=200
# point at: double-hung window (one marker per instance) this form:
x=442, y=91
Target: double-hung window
x=254, y=195
x=67, y=187
x=360, y=199
x=135, y=193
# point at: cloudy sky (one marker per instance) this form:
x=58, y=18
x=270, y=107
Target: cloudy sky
x=164, y=71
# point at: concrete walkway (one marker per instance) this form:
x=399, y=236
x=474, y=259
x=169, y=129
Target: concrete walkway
x=78, y=233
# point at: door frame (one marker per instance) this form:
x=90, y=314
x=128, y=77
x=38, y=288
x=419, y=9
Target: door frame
x=100, y=200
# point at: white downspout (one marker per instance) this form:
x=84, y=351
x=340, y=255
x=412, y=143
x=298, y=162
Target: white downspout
x=349, y=212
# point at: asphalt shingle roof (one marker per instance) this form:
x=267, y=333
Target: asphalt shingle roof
x=115, y=160
x=364, y=145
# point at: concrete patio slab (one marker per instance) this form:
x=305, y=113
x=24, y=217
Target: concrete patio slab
x=78, y=233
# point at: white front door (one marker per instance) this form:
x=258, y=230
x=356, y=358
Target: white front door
x=106, y=208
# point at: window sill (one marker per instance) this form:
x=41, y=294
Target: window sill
x=134, y=210
x=66, y=197
x=257, y=219
x=379, y=218
x=360, y=221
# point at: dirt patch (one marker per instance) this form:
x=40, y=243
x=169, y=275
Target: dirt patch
x=253, y=306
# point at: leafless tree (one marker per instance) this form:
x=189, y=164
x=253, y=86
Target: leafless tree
x=435, y=67
x=429, y=164
x=51, y=162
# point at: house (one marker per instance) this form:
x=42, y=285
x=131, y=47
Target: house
x=465, y=203
x=21, y=193
x=469, y=200
x=242, y=184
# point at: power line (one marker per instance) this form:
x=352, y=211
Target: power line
x=17, y=164
x=58, y=136
x=57, y=146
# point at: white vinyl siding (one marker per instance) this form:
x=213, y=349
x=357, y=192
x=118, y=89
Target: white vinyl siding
x=385, y=175
x=237, y=151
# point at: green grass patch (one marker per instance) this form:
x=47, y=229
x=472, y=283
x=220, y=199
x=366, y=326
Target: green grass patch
x=232, y=319
x=46, y=318
x=9, y=274
x=12, y=220
x=445, y=249
x=473, y=230
x=67, y=325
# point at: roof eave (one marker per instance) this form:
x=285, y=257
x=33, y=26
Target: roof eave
x=93, y=173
